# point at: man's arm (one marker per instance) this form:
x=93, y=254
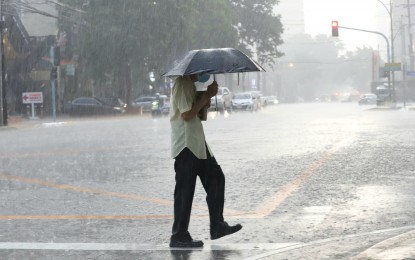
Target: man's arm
x=202, y=102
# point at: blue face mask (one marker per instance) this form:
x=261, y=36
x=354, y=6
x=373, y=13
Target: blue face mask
x=203, y=77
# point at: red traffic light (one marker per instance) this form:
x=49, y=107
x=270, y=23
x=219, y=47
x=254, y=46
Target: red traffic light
x=334, y=28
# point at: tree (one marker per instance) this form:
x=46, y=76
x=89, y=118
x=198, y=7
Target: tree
x=358, y=66
x=140, y=37
x=259, y=30
x=321, y=66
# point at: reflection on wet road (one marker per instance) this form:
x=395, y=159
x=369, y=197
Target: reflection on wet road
x=303, y=179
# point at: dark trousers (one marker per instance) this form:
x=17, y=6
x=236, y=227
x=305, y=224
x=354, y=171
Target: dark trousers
x=188, y=167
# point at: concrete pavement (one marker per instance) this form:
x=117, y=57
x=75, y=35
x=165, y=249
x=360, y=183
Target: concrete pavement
x=398, y=247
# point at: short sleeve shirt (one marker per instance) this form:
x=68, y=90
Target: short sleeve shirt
x=190, y=133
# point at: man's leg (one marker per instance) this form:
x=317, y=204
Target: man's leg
x=213, y=181
x=185, y=166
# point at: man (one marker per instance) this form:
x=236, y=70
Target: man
x=193, y=158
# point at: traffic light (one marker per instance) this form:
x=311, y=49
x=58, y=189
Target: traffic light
x=383, y=73
x=54, y=73
x=334, y=28
x=55, y=56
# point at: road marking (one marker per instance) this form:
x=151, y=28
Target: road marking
x=316, y=214
x=138, y=247
x=107, y=193
x=328, y=240
x=87, y=190
x=275, y=248
x=76, y=152
x=54, y=124
x=264, y=209
x=81, y=217
x=269, y=205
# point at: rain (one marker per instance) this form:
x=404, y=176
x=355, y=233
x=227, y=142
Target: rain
x=312, y=126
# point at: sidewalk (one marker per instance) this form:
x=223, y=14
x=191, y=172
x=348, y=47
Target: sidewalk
x=395, y=106
x=24, y=122
x=398, y=247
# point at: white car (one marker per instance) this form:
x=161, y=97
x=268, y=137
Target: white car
x=223, y=99
x=272, y=100
x=368, y=99
x=244, y=101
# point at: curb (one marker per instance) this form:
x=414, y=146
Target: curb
x=398, y=247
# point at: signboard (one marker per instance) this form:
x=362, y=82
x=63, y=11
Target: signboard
x=70, y=70
x=410, y=73
x=392, y=66
x=32, y=97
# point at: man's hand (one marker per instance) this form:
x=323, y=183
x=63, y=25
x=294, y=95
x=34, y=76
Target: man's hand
x=208, y=104
x=212, y=89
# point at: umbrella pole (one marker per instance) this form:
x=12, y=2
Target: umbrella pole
x=216, y=97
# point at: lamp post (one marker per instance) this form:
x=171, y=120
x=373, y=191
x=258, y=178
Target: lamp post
x=411, y=50
x=3, y=101
x=1, y=67
x=392, y=51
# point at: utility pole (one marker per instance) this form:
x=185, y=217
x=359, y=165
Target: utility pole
x=392, y=51
x=404, y=62
x=411, y=51
x=392, y=97
x=387, y=49
x=1, y=65
x=3, y=104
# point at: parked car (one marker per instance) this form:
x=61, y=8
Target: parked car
x=157, y=105
x=145, y=102
x=383, y=94
x=259, y=98
x=84, y=106
x=224, y=100
x=115, y=102
x=272, y=100
x=368, y=99
x=244, y=101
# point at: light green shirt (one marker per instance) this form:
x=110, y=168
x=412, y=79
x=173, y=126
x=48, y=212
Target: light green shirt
x=190, y=133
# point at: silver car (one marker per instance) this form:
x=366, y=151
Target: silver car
x=244, y=101
x=223, y=99
x=145, y=103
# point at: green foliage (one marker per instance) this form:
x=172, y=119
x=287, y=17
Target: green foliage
x=147, y=36
x=258, y=28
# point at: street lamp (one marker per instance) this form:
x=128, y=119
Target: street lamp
x=389, y=11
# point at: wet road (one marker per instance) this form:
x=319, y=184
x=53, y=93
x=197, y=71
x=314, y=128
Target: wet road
x=308, y=181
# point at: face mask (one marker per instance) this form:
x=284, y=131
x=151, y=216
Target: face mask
x=203, y=77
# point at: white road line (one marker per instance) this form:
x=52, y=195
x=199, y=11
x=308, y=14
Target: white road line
x=328, y=240
x=54, y=124
x=137, y=247
x=316, y=214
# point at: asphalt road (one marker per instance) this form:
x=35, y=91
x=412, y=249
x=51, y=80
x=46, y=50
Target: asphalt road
x=309, y=181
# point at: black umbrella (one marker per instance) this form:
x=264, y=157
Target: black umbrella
x=214, y=61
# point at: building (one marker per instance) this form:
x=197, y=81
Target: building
x=30, y=32
x=395, y=20
x=292, y=16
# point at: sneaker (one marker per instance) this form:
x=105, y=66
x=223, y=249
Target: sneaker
x=184, y=241
x=223, y=230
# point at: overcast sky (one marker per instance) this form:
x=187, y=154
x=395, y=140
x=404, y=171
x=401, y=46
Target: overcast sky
x=362, y=14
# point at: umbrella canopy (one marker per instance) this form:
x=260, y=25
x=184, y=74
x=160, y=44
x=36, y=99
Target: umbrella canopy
x=214, y=61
